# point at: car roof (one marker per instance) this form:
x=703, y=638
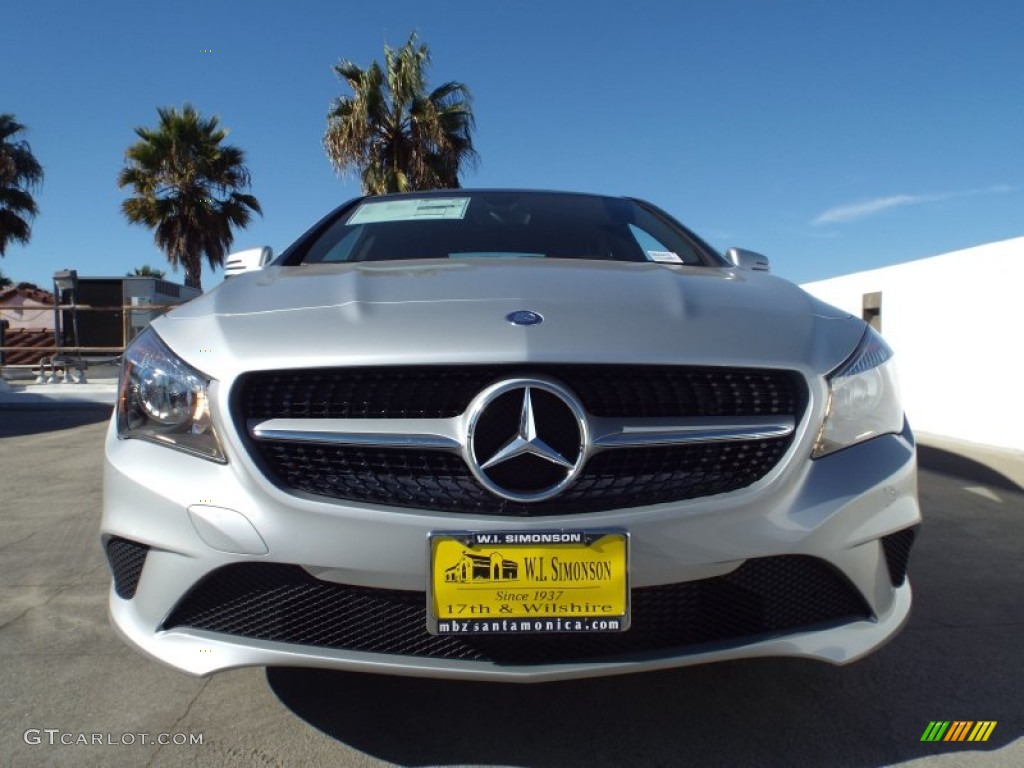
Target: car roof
x=491, y=190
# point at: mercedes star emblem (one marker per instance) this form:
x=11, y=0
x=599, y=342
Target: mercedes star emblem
x=527, y=439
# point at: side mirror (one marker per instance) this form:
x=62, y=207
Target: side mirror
x=249, y=260
x=748, y=260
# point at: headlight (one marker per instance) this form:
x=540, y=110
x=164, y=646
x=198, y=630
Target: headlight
x=164, y=400
x=863, y=400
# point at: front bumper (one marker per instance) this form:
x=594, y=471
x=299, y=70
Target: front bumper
x=834, y=511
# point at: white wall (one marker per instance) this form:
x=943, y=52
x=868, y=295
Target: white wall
x=22, y=312
x=956, y=323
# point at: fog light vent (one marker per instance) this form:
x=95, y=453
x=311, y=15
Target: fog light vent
x=897, y=553
x=126, y=560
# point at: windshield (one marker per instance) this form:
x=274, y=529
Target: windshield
x=503, y=224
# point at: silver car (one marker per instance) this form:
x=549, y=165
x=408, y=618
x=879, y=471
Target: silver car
x=507, y=435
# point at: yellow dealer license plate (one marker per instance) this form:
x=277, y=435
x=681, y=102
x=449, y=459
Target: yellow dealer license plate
x=528, y=582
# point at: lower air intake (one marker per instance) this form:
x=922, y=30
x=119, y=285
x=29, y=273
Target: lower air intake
x=283, y=603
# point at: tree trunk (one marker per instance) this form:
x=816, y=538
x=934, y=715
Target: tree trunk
x=193, y=272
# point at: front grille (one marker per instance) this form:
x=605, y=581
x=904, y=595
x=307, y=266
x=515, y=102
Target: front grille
x=435, y=480
x=126, y=560
x=283, y=603
x=442, y=481
x=897, y=553
x=439, y=392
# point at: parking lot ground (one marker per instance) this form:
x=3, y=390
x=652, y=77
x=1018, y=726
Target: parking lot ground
x=67, y=677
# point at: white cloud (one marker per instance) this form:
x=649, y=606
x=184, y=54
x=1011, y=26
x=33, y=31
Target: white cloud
x=865, y=208
x=853, y=211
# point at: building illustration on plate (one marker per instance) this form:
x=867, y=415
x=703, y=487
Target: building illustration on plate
x=492, y=567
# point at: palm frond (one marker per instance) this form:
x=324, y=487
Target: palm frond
x=393, y=132
x=186, y=186
x=20, y=175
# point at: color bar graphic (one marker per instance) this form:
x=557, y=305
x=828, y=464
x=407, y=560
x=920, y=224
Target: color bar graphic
x=982, y=730
x=958, y=730
x=935, y=730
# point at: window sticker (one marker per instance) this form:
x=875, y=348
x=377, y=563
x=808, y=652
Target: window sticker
x=664, y=257
x=376, y=211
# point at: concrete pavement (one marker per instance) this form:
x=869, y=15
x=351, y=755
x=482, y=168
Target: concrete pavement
x=49, y=396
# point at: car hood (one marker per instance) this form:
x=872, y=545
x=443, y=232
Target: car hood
x=383, y=313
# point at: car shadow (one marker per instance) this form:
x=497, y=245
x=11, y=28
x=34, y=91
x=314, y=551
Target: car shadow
x=19, y=421
x=772, y=712
x=949, y=463
x=957, y=659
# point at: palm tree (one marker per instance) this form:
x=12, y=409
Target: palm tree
x=146, y=271
x=186, y=188
x=395, y=134
x=20, y=174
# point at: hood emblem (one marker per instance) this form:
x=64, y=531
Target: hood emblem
x=524, y=317
x=527, y=439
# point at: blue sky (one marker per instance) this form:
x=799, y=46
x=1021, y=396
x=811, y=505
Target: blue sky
x=832, y=137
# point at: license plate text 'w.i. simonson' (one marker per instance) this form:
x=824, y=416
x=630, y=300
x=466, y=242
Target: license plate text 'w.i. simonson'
x=528, y=538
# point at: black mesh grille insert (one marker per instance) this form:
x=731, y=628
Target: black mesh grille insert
x=436, y=480
x=444, y=391
x=283, y=603
x=126, y=559
x=442, y=481
x=897, y=553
